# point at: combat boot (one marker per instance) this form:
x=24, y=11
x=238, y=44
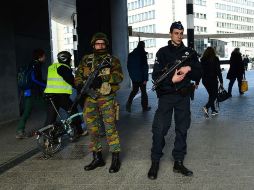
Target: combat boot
x=96, y=162
x=180, y=168
x=115, y=164
x=153, y=171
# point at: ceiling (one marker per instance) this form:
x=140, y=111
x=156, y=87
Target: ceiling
x=62, y=10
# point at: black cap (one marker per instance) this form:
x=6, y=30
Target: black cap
x=176, y=25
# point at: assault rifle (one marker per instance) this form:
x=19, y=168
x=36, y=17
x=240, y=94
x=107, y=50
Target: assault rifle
x=167, y=70
x=86, y=90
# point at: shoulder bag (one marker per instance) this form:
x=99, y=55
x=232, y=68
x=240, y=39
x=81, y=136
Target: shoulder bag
x=222, y=94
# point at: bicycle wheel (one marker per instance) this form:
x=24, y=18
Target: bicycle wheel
x=71, y=128
x=47, y=141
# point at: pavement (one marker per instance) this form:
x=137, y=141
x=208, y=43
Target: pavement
x=220, y=151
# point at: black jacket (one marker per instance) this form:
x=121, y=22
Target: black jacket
x=236, y=68
x=137, y=65
x=38, y=83
x=67, y=75
x=211, y=70
x=168, y=55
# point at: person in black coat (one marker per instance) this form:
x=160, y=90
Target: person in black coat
x=245, y=62
x=211, y=73
x=138, y=71
x=236, y=70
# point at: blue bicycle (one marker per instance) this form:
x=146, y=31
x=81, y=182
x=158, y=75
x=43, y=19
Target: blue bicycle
x=50, y=137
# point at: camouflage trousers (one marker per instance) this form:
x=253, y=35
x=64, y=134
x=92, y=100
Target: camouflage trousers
x=96, y=111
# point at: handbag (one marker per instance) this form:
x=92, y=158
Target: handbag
x=222, y=94
x=244, y=84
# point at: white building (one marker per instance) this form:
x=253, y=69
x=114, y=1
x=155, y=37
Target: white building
x=62, y=38
x=151, y=17
x=210, y=17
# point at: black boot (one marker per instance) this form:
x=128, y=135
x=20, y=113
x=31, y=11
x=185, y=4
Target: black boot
x=180, y=168
x=152, y=174
x=96, y=162
x=115, y=164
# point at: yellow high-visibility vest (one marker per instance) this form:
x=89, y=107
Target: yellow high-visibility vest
x=55, y=83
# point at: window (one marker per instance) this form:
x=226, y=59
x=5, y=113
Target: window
x=150, y=55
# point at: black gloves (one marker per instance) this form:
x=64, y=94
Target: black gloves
x=96, y=83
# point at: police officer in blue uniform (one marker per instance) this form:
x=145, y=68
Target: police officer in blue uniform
x=174, y=97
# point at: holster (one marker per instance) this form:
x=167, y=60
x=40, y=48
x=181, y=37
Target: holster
x=188, y=90
x=117, y=110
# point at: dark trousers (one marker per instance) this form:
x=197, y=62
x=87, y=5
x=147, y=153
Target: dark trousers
x=29, y=103
x=135, y=88
x=212, y=90
x=232, y=81
x=62, y=101
x=162, y=121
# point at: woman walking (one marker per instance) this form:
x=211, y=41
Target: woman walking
x=211, y=73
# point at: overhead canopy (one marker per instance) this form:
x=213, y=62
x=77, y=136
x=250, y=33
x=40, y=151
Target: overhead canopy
x=62, y=10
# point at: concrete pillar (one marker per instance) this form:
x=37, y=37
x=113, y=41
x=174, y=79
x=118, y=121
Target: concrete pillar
x=190, y=23
x=75, y=39
x=8, y=83
x=92, y=17
x=120, y=39
x=109, y=17
x=24, y=27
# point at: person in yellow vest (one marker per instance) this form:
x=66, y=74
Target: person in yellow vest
x=59, y=83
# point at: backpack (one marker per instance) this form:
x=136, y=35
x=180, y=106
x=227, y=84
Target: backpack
x=25, y=77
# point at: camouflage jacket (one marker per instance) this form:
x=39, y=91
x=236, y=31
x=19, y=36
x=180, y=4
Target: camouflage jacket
x=111, y=77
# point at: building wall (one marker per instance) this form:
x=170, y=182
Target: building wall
x=8, y=84
x=119, y=28
x=24, y=28
x=147, y=16
x=92, y=17
x=205, y=22
x=62, y=37
x=237, y=11
x=55, y=43
x=110, y=17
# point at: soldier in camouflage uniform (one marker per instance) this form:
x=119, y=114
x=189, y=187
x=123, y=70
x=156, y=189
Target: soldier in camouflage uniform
x=105, y=85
